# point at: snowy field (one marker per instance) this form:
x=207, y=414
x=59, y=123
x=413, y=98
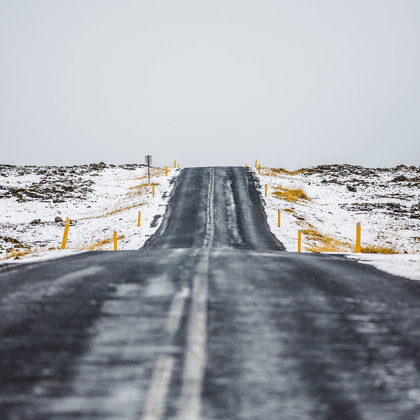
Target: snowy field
x=100, y=199
x=386, y=201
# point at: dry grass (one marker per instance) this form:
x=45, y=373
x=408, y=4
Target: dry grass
x=154, y=172
x=280, y=171
x=118, y=210
x=17, y=253
x=372, y=249
x=317, y=242
x=289, y=210
x=141, y=189
x=101, y=245
x=291, y=195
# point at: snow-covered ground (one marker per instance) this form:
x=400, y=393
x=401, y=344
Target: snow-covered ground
x=386, y=201
x=98, y=199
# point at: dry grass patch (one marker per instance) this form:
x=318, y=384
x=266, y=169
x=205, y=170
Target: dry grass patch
x=154, y=172
x=373, y=249
x=118, y=210
x=318, y=242
x=280, y=171
x=141, y=189
x=289, y=210
x=102, y=245
x=291, y=195
x=17, y=253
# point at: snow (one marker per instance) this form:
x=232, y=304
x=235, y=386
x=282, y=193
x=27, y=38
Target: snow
x=386, y=203
x=99, y=199
x=104, y=199
x=407, y=265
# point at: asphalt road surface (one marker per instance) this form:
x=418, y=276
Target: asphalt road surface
x=210, y=320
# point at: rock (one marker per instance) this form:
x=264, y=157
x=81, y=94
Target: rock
x=58, y=219
x=36, y=222
x=351, y=189
x=399, y=178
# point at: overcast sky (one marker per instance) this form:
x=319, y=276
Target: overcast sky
x=291, y=83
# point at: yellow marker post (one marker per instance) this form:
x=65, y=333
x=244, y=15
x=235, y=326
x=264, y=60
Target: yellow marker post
x=174, y=163
x=166, y=171
x=138, y=222
x=153, y=190
x=299, y=241
x=115, y=240
x=278, y=217
x=255, y=164
x=259, y=169
x=178, y=165
x=358, y=238
x=266, y=190
x=66, y=232
x=246, y=166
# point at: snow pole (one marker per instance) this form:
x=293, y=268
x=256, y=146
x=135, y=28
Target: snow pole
x=266, y=190
x=246, y=166
x=66, y=231
x=153, y=190
x=166, y=171
x=138, y=222
x=115, y=240
x=299, y=240
x=278, y=218
x=178, y=165
x=175, y=164
x=255, y=164
x=358, y=238
x=259, y=169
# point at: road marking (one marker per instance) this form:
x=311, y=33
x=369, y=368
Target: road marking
x=176, y=311
x=195, y=357
x=208, y=240
x=156, y=397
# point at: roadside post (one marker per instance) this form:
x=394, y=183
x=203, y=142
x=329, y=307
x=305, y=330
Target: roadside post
x=153, y=190
x=358, y=238
x=299, y=241
x=166, y=171
x=138, y=221
x=66, y=231
x=148, y=160
x=255, y=164
x=259, y=169
x=115, y=240
x=278, y=217
x=266, y=190
x=175, y=164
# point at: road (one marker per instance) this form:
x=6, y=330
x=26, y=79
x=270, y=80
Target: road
x=210, y=320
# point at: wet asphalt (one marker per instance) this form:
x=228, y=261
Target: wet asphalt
x=212, y=320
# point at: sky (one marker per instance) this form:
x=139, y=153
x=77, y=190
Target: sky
x=291, y=83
